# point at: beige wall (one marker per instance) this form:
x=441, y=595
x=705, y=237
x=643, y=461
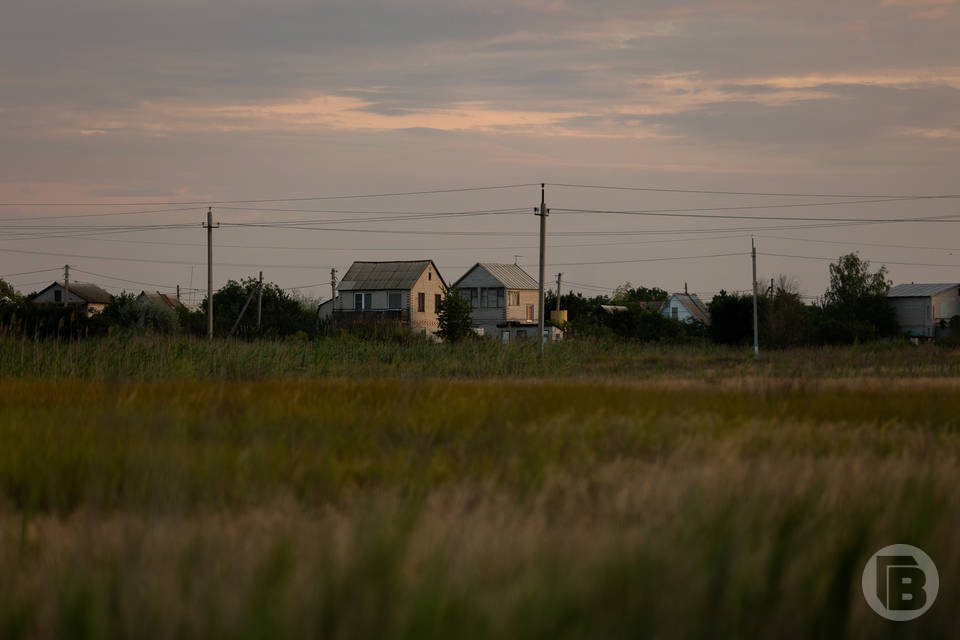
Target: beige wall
x=519, y=313
x=430, y=284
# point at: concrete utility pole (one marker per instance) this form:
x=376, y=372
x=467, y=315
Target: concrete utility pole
x=178, y=293
x=66, y=283
x=333, y=289
x=543, y=212
x=559, y=277
x=210, y=227
x=259, y=300
x=756, y=334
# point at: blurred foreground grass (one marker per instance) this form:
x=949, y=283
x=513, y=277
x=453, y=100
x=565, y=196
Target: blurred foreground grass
x=401, y=508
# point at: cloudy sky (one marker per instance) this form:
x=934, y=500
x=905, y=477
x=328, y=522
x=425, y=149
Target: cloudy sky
x=110, y=102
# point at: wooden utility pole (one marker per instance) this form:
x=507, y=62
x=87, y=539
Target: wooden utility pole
x=333, y=289
x=259, y=301
x=66, y=283
x=559, y=277
x=543, y=212
x=210, y=227
x=756, y=333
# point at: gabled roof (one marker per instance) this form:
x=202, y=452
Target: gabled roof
x=508, y=275
x=89, y=293
x=919, y=290
x=162, y=299
x=611, y=308
x=694, y=305
x=377, y=276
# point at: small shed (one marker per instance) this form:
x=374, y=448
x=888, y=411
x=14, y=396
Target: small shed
x=925, y=310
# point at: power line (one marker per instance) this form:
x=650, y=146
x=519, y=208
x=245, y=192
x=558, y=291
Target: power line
x=254, y=201
x=865, y=244
x=676, y=213
x=750, y=193
x=148, y=284
x=95, y=215
x=713, y=255
x=27, y=273
x=884, y=262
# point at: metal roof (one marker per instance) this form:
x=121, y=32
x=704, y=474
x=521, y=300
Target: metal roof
x=86, y=291
x=162, y=299
x=694, y=305
x=919, y=290
x=510, y=275
x=377, y=276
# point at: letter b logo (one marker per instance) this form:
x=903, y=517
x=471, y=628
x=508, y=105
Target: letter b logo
x=900, y=582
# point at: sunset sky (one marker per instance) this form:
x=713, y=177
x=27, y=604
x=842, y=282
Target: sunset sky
x=127, y=101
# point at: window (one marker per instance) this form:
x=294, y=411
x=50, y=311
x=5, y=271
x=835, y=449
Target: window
x=421, y=302
x=58, y=296
x=529, y=313
x=513, y=298
x=362, y=301
x=393, y=301
x=429, y=275
x=490, y=300
x=436, y=301
x=474, y=298
x=675, y=313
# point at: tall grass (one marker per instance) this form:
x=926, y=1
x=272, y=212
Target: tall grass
x=164, y=357
x=411, y=508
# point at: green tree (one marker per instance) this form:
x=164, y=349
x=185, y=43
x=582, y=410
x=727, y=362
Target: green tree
x=626, y=292
x=7, y=291
x=282, y=314
x=454, y=316
x=855, y=307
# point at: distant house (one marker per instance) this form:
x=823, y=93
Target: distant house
x=160, y=300
x=685, y=308
x=325, y=310
x=407, y=291
x=925, y=310
x=505, y=301
x=90, y=297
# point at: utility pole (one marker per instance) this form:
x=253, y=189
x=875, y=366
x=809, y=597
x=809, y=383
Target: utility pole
x=178, y=293
x=66, y=283
x=559, y=277
x=210, y=227
x=259, y=301
x=543, y=212
x=756, y=334
x=333, y=289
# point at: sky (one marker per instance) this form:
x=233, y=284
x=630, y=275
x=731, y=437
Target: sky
x=120, y=106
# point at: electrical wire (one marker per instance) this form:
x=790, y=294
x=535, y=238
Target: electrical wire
x=254, y=201
x=27, y=273
x=832, y=259
x=748, y=193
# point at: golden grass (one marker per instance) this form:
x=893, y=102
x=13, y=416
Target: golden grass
x=411, y=508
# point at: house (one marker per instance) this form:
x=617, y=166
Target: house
x=407, y=291
x=161, y=300
x=685, y=307
x=505, y=301
x=924, y=310
x=90, y=297
x=325, y=310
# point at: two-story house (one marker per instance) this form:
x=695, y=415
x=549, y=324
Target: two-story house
x=91, y=298
x=407, y=291
x=504, y=298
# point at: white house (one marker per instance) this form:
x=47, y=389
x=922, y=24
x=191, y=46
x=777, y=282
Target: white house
x=408, y=291
x=91, y=298
x=923, y=308
x=685, y=308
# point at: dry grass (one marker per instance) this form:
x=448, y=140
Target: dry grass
x=402, y=508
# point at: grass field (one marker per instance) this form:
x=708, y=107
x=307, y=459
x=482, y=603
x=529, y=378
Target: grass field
x=266, y=490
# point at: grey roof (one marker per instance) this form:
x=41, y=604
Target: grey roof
x=694, y=305
x=89, y=292
x=919, y=290
x=162, y=300
x=612, y=308
x=510, y=275
x=377, y=276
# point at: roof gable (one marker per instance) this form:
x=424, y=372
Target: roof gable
x=507, y=275
x=693, y=304
x=379, y=276
x=89, y=293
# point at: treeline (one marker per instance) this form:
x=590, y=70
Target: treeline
x=281, y=315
